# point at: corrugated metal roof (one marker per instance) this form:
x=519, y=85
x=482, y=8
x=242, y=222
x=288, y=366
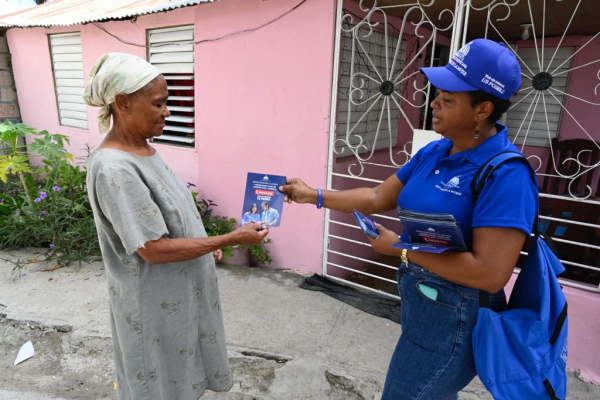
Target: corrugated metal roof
x=73, y=12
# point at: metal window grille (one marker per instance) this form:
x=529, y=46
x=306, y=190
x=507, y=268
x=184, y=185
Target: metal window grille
x=568, y=215
x=526, y=122
x=67, y=64
x=374, y=42
x=171, y=50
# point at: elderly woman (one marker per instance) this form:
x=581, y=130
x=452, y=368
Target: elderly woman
x=168, y=335
x=440, y=292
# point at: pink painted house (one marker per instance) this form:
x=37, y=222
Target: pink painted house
x=275, y=87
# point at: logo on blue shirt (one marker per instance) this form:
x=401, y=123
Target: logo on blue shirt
x=452, y=183
x=449, y=186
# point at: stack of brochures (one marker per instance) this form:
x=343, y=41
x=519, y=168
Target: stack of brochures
x=430, y=232
x=366, y=224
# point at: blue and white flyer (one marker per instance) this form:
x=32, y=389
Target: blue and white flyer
x=263, y=201
x=429, y=232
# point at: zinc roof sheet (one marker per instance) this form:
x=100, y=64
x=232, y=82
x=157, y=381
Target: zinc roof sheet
x=73, y=12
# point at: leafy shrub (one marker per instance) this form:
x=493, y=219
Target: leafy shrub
x=45, y=205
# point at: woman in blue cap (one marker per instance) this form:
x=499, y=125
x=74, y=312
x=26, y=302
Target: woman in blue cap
x=440, y=292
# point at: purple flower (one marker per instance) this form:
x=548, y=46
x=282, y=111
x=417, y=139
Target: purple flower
x=42, y=212
x=1, y=201
x=56, y=188
x=37, y=200
x=50, y=254
x=29, y=212
x=17, y=213
x=51, y=245
x=9, y=169
x=43, y=195
x=23, y=274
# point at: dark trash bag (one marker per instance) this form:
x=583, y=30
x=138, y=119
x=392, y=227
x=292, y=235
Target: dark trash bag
x=521, y=353
x=370, y=303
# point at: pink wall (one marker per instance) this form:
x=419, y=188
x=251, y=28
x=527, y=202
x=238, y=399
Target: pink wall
x=262, y=99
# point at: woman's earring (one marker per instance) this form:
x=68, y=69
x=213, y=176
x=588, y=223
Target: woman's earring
x=476, y=136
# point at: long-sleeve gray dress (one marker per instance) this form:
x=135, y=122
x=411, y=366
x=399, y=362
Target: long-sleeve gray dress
x=167, y=326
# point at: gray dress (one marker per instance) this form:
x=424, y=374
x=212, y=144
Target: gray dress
x=167, y=326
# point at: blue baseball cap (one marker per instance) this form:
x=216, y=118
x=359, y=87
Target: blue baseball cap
x=481, y=64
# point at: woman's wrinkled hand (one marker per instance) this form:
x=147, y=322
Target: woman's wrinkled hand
x=218, y=255
x=383, y=242
x=297, y=191
x=250, y=234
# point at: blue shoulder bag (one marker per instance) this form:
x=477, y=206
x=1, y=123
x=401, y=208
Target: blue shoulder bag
x=521, y=353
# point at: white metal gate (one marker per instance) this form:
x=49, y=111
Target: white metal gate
x=379, y=98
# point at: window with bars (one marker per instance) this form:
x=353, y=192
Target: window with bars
x=171, y=50
x=375, y=45
x=67, y=65
x=530, y=111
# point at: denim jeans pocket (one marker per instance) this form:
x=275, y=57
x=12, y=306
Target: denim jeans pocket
x=432, y=324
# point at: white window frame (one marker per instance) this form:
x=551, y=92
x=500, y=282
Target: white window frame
x=67, y=67
x=171, y=50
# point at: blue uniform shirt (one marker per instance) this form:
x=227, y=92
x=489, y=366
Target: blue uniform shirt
x=436, y=182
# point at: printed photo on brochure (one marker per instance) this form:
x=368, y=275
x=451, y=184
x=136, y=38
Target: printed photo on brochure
x=263, y=202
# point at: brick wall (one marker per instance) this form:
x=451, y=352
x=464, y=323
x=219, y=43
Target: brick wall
x=9, y=106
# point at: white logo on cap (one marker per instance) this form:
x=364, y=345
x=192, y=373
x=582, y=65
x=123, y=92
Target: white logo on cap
x=458, y=61
x=493, y=83
x=462, y=53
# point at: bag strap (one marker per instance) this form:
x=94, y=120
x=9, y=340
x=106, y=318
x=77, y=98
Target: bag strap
x=483, y=174
x=485, y=171
x=559, y=325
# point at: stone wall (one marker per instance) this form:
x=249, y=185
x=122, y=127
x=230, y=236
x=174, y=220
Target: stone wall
x=9, y=106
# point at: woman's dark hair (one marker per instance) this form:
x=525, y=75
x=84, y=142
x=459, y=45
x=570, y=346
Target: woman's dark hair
x=500, y=106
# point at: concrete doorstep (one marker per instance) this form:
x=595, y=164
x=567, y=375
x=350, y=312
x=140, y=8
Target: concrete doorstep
x=284, y=342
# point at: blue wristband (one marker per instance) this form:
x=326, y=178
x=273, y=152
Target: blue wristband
x=319, y=198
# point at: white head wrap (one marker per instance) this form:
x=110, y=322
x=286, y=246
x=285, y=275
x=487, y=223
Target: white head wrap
x=112, y=74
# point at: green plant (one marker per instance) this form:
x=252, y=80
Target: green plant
x=18, y=265
x=219, y=225
x=45, y=203
x=262, y=254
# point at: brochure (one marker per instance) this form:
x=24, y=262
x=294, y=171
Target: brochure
x=430, y=232
x=263, y=201
x=366, y=224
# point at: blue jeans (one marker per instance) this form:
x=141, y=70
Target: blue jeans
x=434, y=356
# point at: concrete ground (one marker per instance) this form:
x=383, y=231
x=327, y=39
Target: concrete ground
x=284, y=342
